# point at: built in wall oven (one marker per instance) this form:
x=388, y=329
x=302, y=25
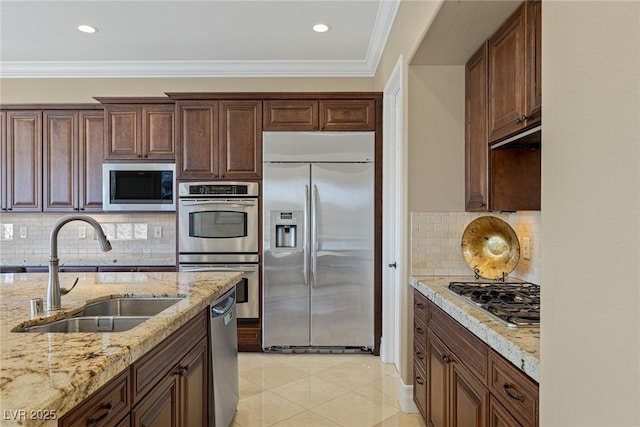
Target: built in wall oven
x=218, y=231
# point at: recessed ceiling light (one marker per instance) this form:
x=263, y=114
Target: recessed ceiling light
x=87, y=29
x=320, y=28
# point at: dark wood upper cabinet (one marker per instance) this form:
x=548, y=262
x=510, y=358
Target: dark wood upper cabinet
x=347, y=115
x=72, y=160
x=197, y=134
x=138, y=129
x=3, y=161
x=514, y=101
x=240, y=139
x=290, y=115
x=476, y=150
x=24, y=161
x=90, y=143
x=533, y=70
x=60, y=161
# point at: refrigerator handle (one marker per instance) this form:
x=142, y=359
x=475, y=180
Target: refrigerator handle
x=305, y=242
x=314, y=234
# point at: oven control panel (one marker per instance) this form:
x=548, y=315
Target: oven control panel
x=218, y=189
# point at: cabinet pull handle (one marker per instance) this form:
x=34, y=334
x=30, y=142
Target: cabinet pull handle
x=507, y=389
x=445, y=358
x=419, y=330
x=419, y=355
x=419, y=380
x=524, y=118
x=420, y=305
x=483, y=205
x=94, y=421
x=181, y=370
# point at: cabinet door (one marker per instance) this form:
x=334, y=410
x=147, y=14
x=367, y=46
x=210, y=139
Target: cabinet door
x=3, y=161
x=468, y=400
x=240, y=140
x=157, y=132
x=499, y=416
x=161, y=407
x=194, y=395
x=438, y=360
x=90, y=144
x=122, y=140
x=476, y=148
x=60, y=161
x=506, y=57
x=197, y=139
x=533, y=83
x=347, y=115
x=420, y=390
x=290, y=115
x=24, y=161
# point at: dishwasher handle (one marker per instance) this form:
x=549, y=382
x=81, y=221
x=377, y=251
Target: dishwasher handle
x=221, y=308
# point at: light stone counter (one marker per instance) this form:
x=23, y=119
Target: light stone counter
x=56, y=371
x=521, y=346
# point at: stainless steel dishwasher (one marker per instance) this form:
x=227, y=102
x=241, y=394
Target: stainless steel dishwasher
x=224, y=358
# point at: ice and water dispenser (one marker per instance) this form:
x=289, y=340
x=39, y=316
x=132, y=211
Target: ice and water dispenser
x=287, y=230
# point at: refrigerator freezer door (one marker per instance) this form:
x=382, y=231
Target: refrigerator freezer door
x=342, y=228
x=285, y=282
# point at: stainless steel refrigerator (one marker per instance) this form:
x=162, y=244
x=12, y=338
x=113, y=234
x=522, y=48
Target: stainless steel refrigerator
x=318, y=241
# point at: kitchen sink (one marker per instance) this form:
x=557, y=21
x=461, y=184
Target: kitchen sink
x=113, y=315
x=88, y=324
x=128, y=306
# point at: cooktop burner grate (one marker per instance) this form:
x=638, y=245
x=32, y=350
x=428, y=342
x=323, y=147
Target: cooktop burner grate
x=516, y=304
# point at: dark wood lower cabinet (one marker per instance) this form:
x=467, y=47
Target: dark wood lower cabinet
x=167, y=387
x=160, y=408
x=460, y=381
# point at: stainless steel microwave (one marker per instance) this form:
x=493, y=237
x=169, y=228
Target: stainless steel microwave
x=139, y=187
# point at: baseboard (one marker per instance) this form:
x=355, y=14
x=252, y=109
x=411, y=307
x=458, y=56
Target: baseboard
x=405, y=397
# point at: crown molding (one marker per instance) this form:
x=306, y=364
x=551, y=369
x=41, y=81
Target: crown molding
x=124, y=69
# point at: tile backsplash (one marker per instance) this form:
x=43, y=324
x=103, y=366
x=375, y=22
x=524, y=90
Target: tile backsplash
x=435, y=242
x=128, y=233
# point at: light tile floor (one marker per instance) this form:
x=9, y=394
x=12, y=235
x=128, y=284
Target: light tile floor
x=319, y=390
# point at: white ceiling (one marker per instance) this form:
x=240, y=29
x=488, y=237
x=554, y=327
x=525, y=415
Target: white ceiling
x=191, y=38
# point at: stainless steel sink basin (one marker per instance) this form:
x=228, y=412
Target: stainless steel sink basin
x=88, y=324
x=112, y=315
x=134, y=306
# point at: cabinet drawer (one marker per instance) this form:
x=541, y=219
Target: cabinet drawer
x=158, y=363
x=471, y=351
x=106, y=407
x=419, y=355
x=420, y=306
x=517, y=392
x=420, y=389
x=419, y=331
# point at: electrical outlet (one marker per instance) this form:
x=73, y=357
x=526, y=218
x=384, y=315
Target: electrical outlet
x=157, y=232
x=526, y=248
x=82, y=232
x=23, y=232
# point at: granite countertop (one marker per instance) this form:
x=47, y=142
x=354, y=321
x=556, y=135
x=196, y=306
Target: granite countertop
x=56, y=371
x=521, y=346
x=89, y=260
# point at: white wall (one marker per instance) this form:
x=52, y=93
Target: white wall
x=590, y=349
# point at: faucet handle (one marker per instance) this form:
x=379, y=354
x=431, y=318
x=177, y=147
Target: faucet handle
x=63, y=291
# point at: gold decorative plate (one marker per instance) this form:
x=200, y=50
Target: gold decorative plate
x=490, y=247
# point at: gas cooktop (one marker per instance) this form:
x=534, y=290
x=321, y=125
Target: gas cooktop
x=516, y=304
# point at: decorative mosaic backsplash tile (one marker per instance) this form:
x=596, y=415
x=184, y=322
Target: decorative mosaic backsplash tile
x=128, y=234
x=435, y=242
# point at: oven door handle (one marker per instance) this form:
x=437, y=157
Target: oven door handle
x=218, y=202
x=232, y=269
